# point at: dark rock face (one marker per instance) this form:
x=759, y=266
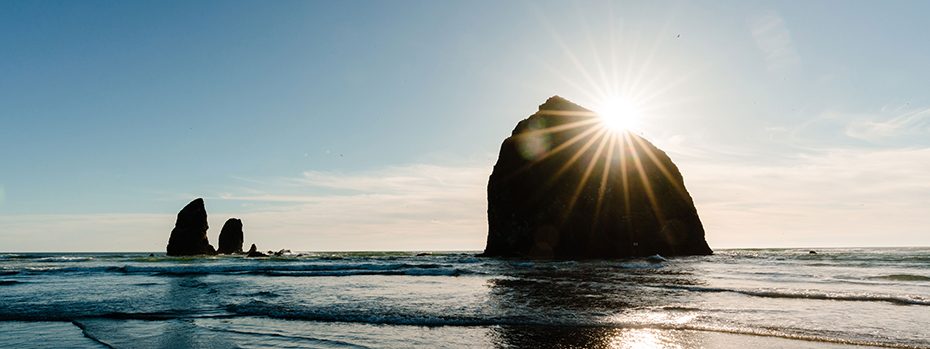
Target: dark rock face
x=189, y=236
x=567, y=186
x=230, y=240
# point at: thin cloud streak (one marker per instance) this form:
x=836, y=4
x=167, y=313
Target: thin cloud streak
x=415, y=207
x=86, y=232
x=774, y=40
x=845, y=197
x=908, y=124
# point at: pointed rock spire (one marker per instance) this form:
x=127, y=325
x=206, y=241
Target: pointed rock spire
x=189, y=236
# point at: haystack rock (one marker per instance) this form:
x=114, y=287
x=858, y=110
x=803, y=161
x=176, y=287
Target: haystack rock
x=189, y=236
x=567, y=186
x=230, y=240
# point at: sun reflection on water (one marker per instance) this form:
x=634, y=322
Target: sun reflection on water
x=640, y=338
x=645, y=338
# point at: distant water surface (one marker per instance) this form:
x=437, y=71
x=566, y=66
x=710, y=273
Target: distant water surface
x=760, y=298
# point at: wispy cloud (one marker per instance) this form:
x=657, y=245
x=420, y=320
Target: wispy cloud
x=413, y=207
x=774, y=40
x=395, y=208
x=903, y=126
x=837, y=179
x=843, y=197
x=888, y=128
x=86, y=232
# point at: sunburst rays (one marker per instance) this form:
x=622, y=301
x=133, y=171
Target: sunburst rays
x=623, y=96
x=600, y=143
x=608, y=163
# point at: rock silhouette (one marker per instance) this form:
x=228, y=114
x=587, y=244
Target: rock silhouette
x=253, y=252
x=567, y=186
x=230, y=240
x=189, y=236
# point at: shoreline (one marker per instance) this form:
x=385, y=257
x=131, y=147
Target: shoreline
x=134, y=333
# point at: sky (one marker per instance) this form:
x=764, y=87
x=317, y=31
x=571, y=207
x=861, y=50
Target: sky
x=374, y=125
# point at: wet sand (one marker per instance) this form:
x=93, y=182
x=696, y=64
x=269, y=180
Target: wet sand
x=212, y=333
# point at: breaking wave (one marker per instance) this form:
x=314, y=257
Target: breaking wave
x=808, y=294
x=270, y=269
x=903, y=277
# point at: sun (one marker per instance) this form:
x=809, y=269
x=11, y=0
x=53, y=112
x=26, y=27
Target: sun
x=619, y=114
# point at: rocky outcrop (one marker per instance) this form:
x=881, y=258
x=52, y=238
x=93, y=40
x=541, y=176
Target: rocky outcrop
x=253, y=252
x=189, y=236
x=567, y=186
x=230, y=240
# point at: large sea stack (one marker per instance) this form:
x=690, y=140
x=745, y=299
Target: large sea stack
x=567, y=186
x=189, y=236
x=230, y=240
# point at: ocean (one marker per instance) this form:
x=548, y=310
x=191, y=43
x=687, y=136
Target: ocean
x=736, y=298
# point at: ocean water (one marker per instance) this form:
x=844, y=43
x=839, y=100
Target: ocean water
x=775, y=298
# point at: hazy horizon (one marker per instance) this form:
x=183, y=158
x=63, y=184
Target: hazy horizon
x=373, y=126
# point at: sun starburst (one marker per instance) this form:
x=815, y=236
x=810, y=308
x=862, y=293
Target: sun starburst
x=619, y=114
x=622, y=104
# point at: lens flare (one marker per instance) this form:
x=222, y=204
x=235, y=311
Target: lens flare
x=619, y=114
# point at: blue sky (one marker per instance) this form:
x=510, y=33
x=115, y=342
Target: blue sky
x=351, y=125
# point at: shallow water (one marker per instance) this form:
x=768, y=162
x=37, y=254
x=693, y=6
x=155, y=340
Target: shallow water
x=768, y=298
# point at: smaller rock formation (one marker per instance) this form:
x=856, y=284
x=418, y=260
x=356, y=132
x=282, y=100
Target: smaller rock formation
x=231, y=237
x=189, y=236
x=253, y=252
